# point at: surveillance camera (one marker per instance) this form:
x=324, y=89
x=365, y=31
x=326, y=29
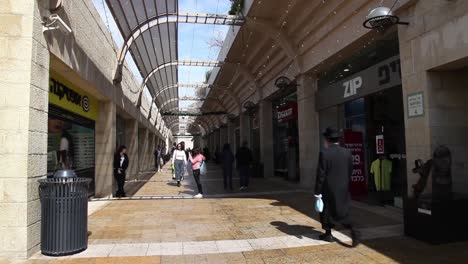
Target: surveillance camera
x=56, y=19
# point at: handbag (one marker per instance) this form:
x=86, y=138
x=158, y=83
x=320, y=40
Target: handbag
x=319, y=204
x=203, y=168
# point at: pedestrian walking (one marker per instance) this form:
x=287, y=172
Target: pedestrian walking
x=179, y=161
x=196, y=160
x=332, y=185
x=228, y=159
x=174, y=147
x=157, y=157
x=244, y=159
x=121, y=162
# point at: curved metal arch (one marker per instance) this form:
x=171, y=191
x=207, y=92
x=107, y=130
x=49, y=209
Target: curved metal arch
x=202, y=124
x=206, y=99
x=172, y=126
x=160, y=67
x=171, y=18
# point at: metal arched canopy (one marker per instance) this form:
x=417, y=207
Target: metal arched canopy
x=150, y=32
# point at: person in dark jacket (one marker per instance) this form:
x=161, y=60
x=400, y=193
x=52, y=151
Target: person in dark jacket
x=228, y=159
x=332, y=184
x=244, y=159
x=120, y=166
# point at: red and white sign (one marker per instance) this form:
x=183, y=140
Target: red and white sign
x=286, y=113
x=379, y=143
x=358, y=183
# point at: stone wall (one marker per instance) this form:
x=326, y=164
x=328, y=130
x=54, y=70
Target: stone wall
x=24, y=67
x=87, y=56
x=449, y=121
x=435, y=40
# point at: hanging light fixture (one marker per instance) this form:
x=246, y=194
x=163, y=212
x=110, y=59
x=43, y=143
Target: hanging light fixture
x=381, y=18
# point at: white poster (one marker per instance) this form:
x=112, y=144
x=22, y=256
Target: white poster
x=416, y=104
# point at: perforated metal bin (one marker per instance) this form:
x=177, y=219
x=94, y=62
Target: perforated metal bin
x=64, y=214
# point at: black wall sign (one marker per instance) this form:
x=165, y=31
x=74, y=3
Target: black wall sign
x=381, y=76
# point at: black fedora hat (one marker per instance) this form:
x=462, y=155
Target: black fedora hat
x=331, y=132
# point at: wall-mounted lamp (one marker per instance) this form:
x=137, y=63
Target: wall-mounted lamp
x=381, y=18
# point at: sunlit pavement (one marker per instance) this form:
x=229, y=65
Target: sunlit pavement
x=272, y=222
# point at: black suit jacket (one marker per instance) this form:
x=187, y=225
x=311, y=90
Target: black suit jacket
x=117, y=163
x=333, y=173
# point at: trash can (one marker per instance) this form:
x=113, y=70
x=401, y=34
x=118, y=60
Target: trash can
x=64, y=214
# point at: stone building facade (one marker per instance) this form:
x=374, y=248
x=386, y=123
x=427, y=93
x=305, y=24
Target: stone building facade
x=86, y=57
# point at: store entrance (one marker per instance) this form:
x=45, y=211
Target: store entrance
x=375, y=134
x=386, y=158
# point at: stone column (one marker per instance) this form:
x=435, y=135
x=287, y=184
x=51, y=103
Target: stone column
x=143, y=146
x=309, y=134
x=105, y=148
x=266, y=137
x=131, y=136
x=24, y=86
x=154, y=142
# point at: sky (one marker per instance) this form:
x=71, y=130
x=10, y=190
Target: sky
x=193, y=42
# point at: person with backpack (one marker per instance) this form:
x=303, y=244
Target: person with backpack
x=196, y=162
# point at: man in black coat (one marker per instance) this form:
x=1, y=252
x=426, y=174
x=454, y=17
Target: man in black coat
x=332, y=183
x=120, y=166
x=244, y=159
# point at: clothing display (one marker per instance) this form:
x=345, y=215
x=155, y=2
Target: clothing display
x=382, y=171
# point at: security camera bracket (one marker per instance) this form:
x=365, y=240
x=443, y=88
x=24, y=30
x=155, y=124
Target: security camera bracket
x=55, y=22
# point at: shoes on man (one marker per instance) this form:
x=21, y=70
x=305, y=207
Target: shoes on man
x=198, y=196
x=327, y=237
x=178, y=183
x=356, y=237
x=173, y=177
x=241, y=188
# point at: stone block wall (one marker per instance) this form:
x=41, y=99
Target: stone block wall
x=435, y=41
x=24, y=64
x=26, y=56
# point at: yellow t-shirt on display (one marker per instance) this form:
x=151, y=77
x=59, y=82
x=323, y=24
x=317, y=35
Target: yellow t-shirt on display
x=382, y=182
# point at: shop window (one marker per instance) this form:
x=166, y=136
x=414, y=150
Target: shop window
x=71, y=145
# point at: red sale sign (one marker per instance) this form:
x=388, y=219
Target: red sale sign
x=286, y=113
x=379, y=143
x=358, y=183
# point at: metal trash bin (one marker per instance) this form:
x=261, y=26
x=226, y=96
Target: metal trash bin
x=64, y=214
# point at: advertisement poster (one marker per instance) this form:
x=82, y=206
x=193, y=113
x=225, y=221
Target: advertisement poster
x=358, y=183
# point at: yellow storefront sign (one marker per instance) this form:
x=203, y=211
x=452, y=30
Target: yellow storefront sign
x=64, y=94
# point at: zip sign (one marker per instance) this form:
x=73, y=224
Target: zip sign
x=351, y=86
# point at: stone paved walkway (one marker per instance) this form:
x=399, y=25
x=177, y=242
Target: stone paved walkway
x=272, y=222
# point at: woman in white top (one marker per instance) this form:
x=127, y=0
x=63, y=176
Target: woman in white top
x=179, y=160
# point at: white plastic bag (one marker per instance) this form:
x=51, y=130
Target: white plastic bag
x=203, y=168
x=318, y=204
